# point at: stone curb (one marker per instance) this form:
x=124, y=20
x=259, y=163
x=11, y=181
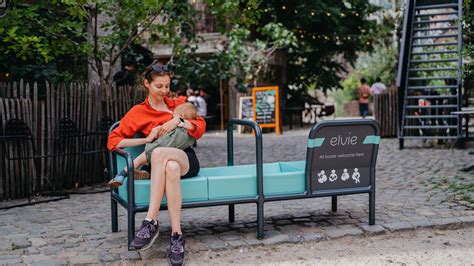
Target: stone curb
x=348, y=230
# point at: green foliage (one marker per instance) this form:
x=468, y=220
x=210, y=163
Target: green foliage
x=468, y=46
x=325, y=30
x=245, y=53
x=38, y=39
x=380, y=62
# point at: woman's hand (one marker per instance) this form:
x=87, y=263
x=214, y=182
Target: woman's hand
x=153, y=134
x=167, y=127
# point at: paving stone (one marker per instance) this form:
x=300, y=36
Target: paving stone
x=309, y=236
x=214, y=243
x=36, y=258
x=221, y=229
x=130, y=255
x=237, y=243
x=399, y=226
x=373, y=229
x=32, y=251
x=20, y=243
x=282, y=222
x=5, y=245
x=49, y=261
x=254, y=242
x=447, y=223
x=38, y=242
x=301, y=220
x=422, y=223
x=51, y=250
x=277, y=239
x=108, y=257
x=467, y=220
x=343, y=231
x=195, y=245
x=9, y=259
x=83, y=259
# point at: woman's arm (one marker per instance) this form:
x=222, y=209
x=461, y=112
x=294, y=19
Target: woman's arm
x=139, y=141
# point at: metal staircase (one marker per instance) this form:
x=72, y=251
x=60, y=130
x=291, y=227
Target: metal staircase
x=430, y=71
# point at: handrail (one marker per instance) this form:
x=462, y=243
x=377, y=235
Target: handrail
x=258, y=146
x=259, y=165
x=130, y=178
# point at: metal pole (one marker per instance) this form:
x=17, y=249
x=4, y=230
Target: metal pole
x=334, y=203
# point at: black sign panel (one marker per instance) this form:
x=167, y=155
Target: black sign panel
x=342, y=155
x=265, y=106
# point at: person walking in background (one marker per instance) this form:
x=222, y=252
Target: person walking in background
x=378, y=86
x=192, y=98
x=126, y=76
x=201, y=100
x=364, y=94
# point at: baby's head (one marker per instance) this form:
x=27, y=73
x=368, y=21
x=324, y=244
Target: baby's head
x=186, y=111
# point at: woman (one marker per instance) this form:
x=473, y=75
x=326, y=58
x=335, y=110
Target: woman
x=153, y=118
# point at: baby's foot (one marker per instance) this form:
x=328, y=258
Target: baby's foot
x=116, y=181
x=140, y=175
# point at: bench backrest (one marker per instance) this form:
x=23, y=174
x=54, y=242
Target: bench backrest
x=341, y=155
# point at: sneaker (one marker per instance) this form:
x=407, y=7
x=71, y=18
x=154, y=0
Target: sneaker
x=176, y=253
x=146, y=236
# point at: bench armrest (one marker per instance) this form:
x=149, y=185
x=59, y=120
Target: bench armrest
x=130, y=180
x=258, y=149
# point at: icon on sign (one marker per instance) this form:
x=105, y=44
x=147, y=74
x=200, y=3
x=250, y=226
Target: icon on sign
x=356, y=176
x=333, y=176
x=345, y=176
x=322, y=177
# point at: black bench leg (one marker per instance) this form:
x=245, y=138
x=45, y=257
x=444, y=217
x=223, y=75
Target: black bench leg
x=114, y=215
x=372, y=208
x=131, y=227
x=231, y=213
x=334, y=203
x=260, y=220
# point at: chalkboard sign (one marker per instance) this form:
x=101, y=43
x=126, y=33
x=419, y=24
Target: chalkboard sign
x=245, y=110
x=266, y=108
x=342, y=155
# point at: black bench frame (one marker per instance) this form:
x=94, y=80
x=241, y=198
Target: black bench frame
x=260, y=198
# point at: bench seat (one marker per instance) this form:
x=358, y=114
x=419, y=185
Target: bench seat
x=230, y=182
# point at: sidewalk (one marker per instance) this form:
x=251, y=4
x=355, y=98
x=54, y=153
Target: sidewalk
x=415, y=188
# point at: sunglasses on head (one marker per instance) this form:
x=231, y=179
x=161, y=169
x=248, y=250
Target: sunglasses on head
x=160, y=68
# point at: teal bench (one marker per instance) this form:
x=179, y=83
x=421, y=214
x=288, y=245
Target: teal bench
x=226, y=185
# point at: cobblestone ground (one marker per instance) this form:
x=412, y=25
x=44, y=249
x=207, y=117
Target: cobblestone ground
x=413, y=190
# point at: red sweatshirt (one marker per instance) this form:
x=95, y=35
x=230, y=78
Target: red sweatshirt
x=143, y=118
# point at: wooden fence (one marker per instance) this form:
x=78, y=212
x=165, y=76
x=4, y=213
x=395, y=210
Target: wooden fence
x=386, y=112
x=68, y=124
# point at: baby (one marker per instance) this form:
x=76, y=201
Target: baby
x=177, y=138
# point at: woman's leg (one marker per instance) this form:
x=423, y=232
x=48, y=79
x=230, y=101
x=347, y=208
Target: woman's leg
x=160, y=170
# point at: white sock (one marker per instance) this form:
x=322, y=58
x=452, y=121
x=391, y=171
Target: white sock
x=148, y=219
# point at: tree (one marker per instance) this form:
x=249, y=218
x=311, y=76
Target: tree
x=169, y=21
x=98, y=32
x=330, y=34
x=39, y=38
x=242, y=54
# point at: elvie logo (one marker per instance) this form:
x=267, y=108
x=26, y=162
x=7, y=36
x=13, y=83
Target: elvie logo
x=343, y=140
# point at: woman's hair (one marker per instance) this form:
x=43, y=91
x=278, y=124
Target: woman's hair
x=157, y=70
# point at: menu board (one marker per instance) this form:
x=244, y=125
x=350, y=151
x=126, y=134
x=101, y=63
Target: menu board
x=245, y=110
x=266, y=104
x=342, y=156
